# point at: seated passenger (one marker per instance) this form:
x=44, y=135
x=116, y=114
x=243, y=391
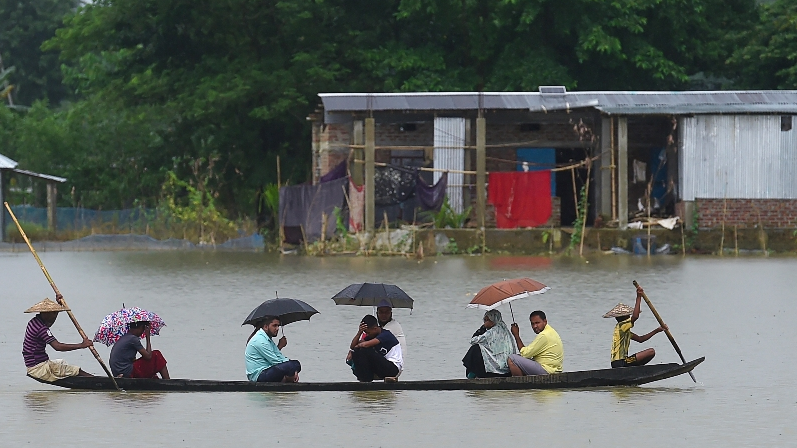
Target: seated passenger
x=545, y=353
x=377, y=355
x=623, y=336
x=38, y=336
x=384, y=314
x=265, y=363
x=123, y=355
x=490, y=348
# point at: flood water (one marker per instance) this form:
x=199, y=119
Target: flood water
x=738, y=313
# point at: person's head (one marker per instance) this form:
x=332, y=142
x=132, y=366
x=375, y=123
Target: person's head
x=137, y=328
x=492, y=318
x=538, y=321
x=384, y=312
x=271, y=325
x=49, y=317
x=622, y=318
x=47, y=311
x=372, y=328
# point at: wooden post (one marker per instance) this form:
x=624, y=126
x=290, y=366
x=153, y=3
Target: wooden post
x=613, y=153
x=370, y=171
x=357, y=140
x=622, y=172
x=52, y=194
x=605, y=198
x=481, y=170
x=2, y=211
x=467, y=200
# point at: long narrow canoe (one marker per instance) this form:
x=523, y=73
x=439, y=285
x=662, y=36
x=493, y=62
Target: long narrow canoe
x=627, y=376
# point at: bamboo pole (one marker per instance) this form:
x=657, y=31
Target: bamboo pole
x=59, y=297
x=575, y=191
x=584, y=221
x=667, y=331
x=736, y=239
x=683, y=240
x=323, y=232
x=387, y=233
x=722, y=238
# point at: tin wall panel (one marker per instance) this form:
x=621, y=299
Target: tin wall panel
x=449, y=154
x=737, y=157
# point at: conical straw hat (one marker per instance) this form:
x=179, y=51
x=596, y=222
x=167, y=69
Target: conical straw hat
x=46, y=306
x=620, y=310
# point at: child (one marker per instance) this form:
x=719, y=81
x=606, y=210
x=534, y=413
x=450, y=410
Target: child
x=622, y=335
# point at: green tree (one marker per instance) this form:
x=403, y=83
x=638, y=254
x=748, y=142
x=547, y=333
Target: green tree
x=766, y=55
x=24, y=26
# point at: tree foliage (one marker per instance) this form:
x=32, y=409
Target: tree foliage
x=165, y=83
x=766, y=55
x=24, y=26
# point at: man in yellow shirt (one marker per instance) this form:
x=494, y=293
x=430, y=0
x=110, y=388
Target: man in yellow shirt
x=545, y=353
x=622, y=335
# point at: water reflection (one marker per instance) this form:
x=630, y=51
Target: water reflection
x=43, y=402
x=541, y=396
x=136, y=399
x=270, y=399
x=380, y=401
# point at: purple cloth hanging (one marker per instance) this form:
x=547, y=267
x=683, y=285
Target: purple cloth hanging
x=335, y=173
x=431, y=197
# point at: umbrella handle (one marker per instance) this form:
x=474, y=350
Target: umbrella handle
x=512, y=312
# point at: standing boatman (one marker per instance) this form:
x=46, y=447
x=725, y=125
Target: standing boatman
x=38, y=336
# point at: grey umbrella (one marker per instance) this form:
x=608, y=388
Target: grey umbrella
x=287, y=310
x=372, y=294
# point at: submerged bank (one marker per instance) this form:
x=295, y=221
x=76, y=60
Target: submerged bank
x=427, y=242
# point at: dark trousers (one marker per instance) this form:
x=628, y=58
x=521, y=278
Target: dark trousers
x=474, y=364
x=277, y=372
x=369, y=363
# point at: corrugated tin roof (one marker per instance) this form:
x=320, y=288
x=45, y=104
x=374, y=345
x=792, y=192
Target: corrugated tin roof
x=6, y=163
x=41, y=176
x=626, y=103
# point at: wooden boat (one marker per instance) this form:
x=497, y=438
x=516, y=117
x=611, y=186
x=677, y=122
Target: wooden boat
x=627, y=376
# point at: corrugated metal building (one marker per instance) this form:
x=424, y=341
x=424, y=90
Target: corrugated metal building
x=734, y=148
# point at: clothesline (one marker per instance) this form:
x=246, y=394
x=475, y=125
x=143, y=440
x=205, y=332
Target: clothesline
x=423, y=147
x=440, y=170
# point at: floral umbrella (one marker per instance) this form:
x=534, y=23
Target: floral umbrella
x=115, y=325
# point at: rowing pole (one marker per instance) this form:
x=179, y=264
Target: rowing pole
x=60, y=300
x=667, y=331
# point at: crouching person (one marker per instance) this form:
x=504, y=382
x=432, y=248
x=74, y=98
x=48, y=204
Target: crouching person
x=375, y=352
x=123, y=355
x=265, y=362
x=38, y=336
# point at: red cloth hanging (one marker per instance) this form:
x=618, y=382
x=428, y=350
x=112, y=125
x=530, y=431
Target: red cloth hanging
x=521, y=199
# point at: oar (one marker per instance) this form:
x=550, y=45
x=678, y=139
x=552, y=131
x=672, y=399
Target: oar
x=62, y=302
x=667, y=332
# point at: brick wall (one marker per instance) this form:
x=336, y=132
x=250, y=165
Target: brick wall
x=333, y=141
x=745, y=213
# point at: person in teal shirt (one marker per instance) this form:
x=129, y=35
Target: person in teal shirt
x=265, y=363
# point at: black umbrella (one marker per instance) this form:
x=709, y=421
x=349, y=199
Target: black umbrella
x=372, y=294
x=288, y=311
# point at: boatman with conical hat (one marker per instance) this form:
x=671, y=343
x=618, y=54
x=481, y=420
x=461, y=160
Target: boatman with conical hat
x=623, y=336
x=38, y=336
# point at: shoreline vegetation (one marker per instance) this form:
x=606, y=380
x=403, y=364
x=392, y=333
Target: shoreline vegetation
x=419, y=242
x=214, y=99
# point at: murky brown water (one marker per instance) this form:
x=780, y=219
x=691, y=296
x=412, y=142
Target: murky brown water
x=738, y=313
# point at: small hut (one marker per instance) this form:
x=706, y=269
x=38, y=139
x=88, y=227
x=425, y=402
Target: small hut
x=7, y=167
